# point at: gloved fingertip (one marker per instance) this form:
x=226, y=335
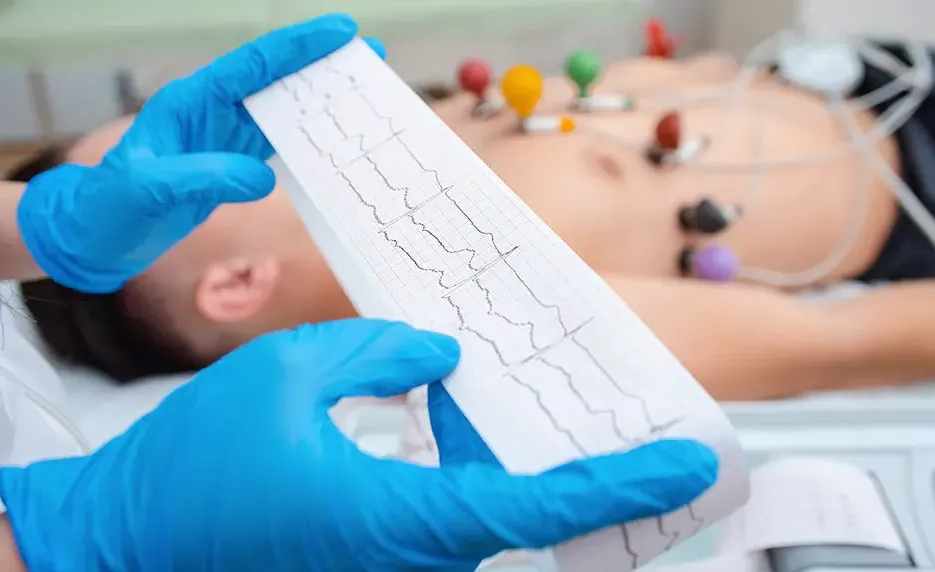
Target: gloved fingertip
x=253, y=180
x=668, y=474
x=215, y=178
x=446, y=346
x=274, y=55
x=377, y=358
x=700, y=458
x=377, y=46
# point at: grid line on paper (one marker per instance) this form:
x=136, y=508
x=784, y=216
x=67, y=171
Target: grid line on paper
x=440, y=268
x=462, y=206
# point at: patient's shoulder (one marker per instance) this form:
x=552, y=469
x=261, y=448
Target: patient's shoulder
x=651, y=73
x=90, y=149
x=713, y=66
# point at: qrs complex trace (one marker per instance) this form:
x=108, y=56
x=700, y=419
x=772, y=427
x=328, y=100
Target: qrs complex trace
x=554, y=367
x=476, y=277
x=444, y=193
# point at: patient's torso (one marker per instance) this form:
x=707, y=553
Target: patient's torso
x=619, y=212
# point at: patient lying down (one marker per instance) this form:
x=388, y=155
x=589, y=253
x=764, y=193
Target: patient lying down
x=251, y=268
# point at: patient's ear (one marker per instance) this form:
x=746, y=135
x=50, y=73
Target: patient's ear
x=237, y=289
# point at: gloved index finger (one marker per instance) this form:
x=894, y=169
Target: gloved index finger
x=277, y=54
x=495, y=511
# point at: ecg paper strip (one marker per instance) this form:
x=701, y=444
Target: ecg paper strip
x=416, y=227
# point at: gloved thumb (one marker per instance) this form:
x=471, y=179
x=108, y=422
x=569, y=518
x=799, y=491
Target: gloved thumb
x=457, y=440
x=496, y=511
x=361, y=357
x=203, y=180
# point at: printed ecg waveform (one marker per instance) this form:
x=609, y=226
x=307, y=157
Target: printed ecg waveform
x=460, y=258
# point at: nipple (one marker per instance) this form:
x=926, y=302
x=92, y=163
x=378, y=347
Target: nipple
x=522, y=89
x=475, y=77
x=668, y=147
x=584, y=68
x=712, y=262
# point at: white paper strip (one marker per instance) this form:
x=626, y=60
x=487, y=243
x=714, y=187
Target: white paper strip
x=416, y=227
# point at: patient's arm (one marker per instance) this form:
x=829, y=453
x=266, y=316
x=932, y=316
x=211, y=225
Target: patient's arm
x=893, y=331
x=15, y=261
x=9, y=555
x=748, y=343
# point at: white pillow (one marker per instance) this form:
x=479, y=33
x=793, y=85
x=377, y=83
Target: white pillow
x=100, y=407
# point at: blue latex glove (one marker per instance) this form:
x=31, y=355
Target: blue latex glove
x=192, y=147
x=651, y=480
x=242, y=469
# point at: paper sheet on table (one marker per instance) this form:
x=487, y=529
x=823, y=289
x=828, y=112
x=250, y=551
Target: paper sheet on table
x=810, y=501
x=416, y=227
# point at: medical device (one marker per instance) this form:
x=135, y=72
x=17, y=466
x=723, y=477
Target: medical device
x=838, y=485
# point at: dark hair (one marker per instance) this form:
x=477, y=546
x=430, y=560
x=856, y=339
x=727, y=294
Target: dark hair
x=434, y=92
x=107, y=332
x=112, y=333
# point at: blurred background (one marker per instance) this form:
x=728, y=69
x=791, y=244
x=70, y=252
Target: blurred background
x=67, y=66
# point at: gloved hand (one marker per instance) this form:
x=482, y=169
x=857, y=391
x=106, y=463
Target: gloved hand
x=681, y=470
x=192, y=147
x=242, y=469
